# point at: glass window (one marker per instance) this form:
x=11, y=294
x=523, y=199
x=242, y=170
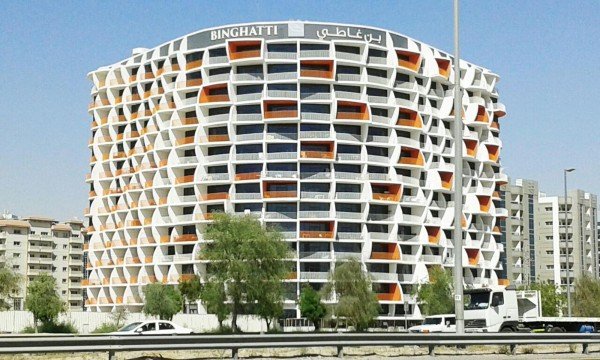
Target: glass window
x=165, y=326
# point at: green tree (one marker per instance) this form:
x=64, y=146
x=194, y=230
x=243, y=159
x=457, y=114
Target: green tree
x=249, y=261
x=553, y=299
x=311, y=306
x=43, y=300
x=9, y=285
x=586, y=297
x=214, y=298
x=435, y=296
x=162, y=300
x=355, y=298
x=267, y=302
x=190, y=290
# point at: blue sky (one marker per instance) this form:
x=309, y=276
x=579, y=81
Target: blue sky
x=546, y=53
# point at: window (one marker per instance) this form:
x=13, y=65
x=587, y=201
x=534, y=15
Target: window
x=17, y=232
x=16, y=267
x=44, y=233
x=497, y=299
x=149, y=327
x=64, y=246
x=16, y=255
x=165, y=326
x=17, y=243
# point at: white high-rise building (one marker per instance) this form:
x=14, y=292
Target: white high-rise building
x=338, y=134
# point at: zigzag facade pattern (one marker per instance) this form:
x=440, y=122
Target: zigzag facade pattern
x=339, y=135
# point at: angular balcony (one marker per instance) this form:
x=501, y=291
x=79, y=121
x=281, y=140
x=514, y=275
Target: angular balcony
x=347, y=110
x=433, y=234
x=280, y=109
x=484, y=203
x=316, y=69
x=493, y=152
x=446, y=178
x=409, y=156
x=214, y=93
x=409, y=60
x=392, y=294
x=244, y=49
x=409, y=118
x=386, y=192
x=317, y=150
x=444, y=66
x=385, y=252
x=471, y=147
x=279, y=189
x=482, y=116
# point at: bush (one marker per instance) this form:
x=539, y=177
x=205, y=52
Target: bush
x=52, y=328
x=221, y=330
x=528, y=350
x=105, y=328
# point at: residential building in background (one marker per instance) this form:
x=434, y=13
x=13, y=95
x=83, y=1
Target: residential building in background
x=339, y=135
x=537, y=235
x=521, y=201
x=36, y=245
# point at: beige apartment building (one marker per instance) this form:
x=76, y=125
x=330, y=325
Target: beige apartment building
x=36, y=245
x=537, y=234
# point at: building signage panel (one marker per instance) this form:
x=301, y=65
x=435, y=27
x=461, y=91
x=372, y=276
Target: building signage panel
x=216, y=36
x=331, y=32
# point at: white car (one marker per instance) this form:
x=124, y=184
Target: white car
x=152, y=327
x=436, y=324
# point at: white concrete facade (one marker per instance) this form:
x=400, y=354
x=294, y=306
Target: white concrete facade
x=340, y=135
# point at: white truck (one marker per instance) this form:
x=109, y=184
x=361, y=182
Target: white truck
x=503, y=309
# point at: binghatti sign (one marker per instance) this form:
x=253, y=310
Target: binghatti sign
x=243, y=31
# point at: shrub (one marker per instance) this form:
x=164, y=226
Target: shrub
x=105, y=328
x=52, y=328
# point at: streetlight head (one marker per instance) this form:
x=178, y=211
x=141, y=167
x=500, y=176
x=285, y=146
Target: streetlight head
x=570, y=169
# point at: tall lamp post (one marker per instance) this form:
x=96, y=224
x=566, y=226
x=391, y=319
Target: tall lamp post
x=458, y=186
x=567, y=256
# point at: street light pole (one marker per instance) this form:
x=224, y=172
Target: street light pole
x=567, y=256
x=458, y=186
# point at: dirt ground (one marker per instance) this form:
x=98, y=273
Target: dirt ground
x=471, y=352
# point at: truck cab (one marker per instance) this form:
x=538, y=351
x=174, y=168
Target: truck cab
x=491, y=309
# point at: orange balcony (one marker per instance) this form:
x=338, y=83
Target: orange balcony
x=85, y=282
x=217, y=138
x=215, y=196
x=184, y=179
x=444, y=67
x=410, y=156
x=386, y=197
x=193, y=82
x=132, y=78
x=165, y=239
x=187, y=121
x=493, y=152
x=347, y=110
x=473, y=256
x=133, y=260
x=193, y=64
x=471, y=146
x=133, y=280
x=164, y=106
x=244, y=49
x=91, y=301
x=92, y=193
x=393, y=294
x=495, y=125
x=208, y=216
x=433, y=234
x=292, y=276
x=392, y=253
x=317, y=69
x=447, y=179
x=247, y=176
x=133, y=241
x=134, y=223
x=484, y=203
x=86, y=246
x=409, y=118
x=497, y=230
x=185, y=141
x=409, y=60
x=117, y=280
x=173, y=67
x=275, y=109
x=386, y=192
x=316, y=234
x=503, y=282
x=280, y=194
x=496, y=194
x=214, y=93
x=151, y=279
x=147, y=240
x=119, y=300
x=317, y=154
x=186, y=237
x=482, y=115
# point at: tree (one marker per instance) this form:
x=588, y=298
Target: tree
x=117, y=319
x=248, y=260
x=43, y=300
x=162, y=300
x=190, y=290
x=214, y=298
x=585, y=297
x=553, y=299
x=9, y=285
x=356, y=300
x=435, y=296
x=311, y=306
x=267, y=302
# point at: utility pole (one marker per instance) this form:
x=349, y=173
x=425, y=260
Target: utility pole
x=567, y=255
x=458, y=185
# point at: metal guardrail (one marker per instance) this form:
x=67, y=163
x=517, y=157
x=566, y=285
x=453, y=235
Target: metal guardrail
x=11, y=344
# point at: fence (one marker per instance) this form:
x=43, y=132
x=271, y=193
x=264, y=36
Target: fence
x=111, y=344
x=86, y=322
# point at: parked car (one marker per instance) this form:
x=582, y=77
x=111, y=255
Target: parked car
x=436, y=324
x=152, y=327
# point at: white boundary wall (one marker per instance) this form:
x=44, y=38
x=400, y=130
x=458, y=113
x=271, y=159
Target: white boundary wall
x=86, y=322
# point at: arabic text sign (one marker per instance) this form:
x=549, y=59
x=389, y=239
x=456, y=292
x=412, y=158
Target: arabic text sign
x=330, y=32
